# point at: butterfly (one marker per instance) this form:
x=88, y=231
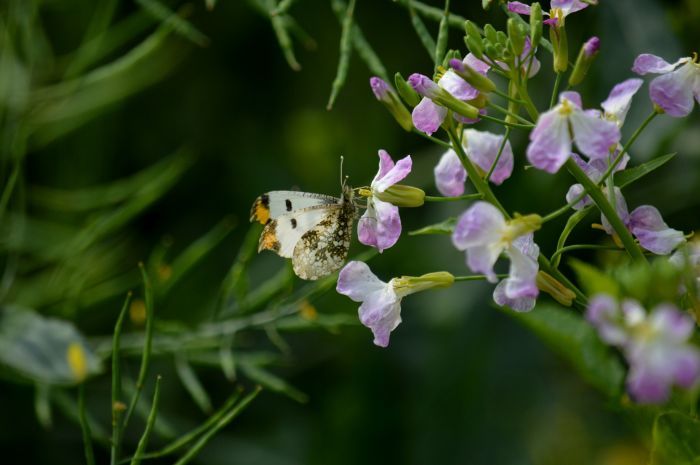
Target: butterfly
x=314, y=230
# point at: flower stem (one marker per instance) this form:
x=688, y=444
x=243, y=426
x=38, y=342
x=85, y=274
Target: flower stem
x=607, y=209
x=477, y=277
x=430, y=198
x=507, y=124
x=507, y=97
x=509, y=113
x=569, y=248
x=498, y=155
x=432, y=139
x=555, y=90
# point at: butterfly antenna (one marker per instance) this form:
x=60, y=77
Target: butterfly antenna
x=342, y=181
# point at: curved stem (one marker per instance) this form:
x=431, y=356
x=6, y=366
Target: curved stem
x=431, y=138
x=555, y=90
x=430, y=198
x=569, y=248
x=477, y=277
x=509, y=113
x=498, y=155
x=505, y=123
x=604, y=206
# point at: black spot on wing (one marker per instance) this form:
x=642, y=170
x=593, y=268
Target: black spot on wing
x=294, y=223
x=288, y=204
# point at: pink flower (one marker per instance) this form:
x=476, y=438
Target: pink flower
x=679, y=82
x=560, y=9
x=380, y=225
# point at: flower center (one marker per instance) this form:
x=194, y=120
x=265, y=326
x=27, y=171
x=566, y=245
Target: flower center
x=364, y=191
x=558, y=14
x=565, y=108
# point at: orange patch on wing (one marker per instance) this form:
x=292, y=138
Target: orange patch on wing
x=260, y=213
x=268, y=240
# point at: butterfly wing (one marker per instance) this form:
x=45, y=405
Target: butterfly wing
x=324, y=248
x=277, y=203
x=283, y=233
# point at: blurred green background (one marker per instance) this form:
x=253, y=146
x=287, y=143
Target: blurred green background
x=461, y=382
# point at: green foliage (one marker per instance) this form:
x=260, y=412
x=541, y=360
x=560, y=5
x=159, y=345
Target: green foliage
x=676, y=440
x=594, y=281
x=630, y=175
x=575, y=340
x=444, y=227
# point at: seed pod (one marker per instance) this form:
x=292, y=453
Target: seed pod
x=535, y=24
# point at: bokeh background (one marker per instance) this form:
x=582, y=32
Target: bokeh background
x=461, y=382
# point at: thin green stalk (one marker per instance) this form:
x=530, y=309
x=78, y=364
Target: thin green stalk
x=282, y=7
x=143, y=442
x=569, y=248
x=524, y=94
x=507, y=124
x=279, y=26
x=478, y=277
x=85, y=426
x=443, y=32
x=146, y=354
x=197, y=447
x=345, y=51
x=498, y=155
x=626, y=147
x=509, y=113
x=117, y=405
x=430, y=198
x=604, y=206
x=431, y=138
x=555, y=90
x=507, y=97
x=571, y=223
x=546, y=266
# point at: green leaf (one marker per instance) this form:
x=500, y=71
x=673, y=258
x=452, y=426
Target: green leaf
x=676, y=440
x=270, y=381
x=574, y=339
x=178, y=24
x=628, y=176
x=592, y=280
x=444, y=227
x=45, y=350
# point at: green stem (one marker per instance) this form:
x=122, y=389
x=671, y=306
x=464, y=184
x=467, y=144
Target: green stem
x=604, y=206
x=85, y=426
x=509, y=113
x=498, y=156
x=555, y=90
x=430, y=198
x=569, y=248
x=431, y=138
x=477, y=277
x=143, y=442
x=507, y=97
x=117, y=405
x=507, y=124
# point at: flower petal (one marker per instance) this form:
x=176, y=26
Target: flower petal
x=572, y=96
x=593, y=136
x=482, y=148
x=521, y=281
x=522, y=304
x=519, y=7
x=478, y=65
x=673, y=324
x=357, y=281
x=648, y=63
x=652, y=232
x=480, y=225
x=575, y=192
x=646, y=386
x=395, y=174
x=380, y=225
x=674, y=91
x=620, y=205
x=604, y=314
x=382, y=314
x=569, y=6
x=450, y=175
x=428, y=116
x=685, y=363
x=550, y=144
x=619, y=100
x=481, y=258
x=458, y=87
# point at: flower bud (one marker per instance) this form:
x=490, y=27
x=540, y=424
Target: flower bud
x=557, y=35
x=486, y=4
x=472, y=76
x=559, y=292
x=385, y=94
x=406, y=285
x=427, y=88
x=535, y=24
x=472, y=30
x=490, y=34
x=516, y=36
x=405, y=91
x=588, y=52
x=475, y=46
x=402, y=196
x=479, y=101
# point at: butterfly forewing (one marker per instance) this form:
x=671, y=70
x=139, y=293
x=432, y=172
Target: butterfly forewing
x=283, y=233
x=277, y=203
x=323, y=249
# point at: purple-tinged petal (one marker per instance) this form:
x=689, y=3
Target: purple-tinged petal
x=480, y=224
x=482, y=148
x=591, y=46
x=428, y=116
x=573, y=97
x=618, y=102
x=550, y=144
x=652, y=232
x=380, y=225
x=569, y=6
x=357, y=281
x=674, y=91
x=573, y=193
x=522, y=304
x=620, y=205
x=395, y=174
x=673, y=324
x=380, y=88
x=450, y=175
x=424, y=85
x=381, y=312
x=593, y=136
x=519, y=7
x=648, y=63
x=633, y=312
x=458, y=87
x=521, y=281
x=480, y=259
x=686, y=366
x=604, y=314
x=647, y=387
x=476, y=64
x=465, y=120
x=551, y=21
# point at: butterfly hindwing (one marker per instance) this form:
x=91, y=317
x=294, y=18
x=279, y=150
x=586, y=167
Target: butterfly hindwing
x=324, y=248
x=283, y=233
x=277, y=203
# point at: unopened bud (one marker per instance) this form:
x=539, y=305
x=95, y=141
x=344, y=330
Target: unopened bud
x=480, y=101
x=490, y=34
x=585, y=58
x=427, y=88
x=406, y=91
x=516, y=36
x=472, y=29
x=535, y=24
x=557, y=36
x=406, y=285
x=559, y=292
x=472, y=76
x=475, y=46
x=402, y=196
x=385, y=94
x=486, y=4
